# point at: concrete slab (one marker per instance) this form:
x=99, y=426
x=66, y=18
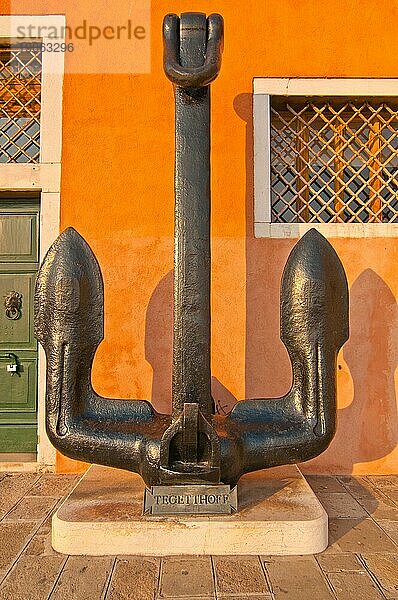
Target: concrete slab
x=278, y=513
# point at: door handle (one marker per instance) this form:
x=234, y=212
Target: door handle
x=13, y=305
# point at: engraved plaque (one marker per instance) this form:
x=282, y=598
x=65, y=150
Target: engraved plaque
x=190, y=500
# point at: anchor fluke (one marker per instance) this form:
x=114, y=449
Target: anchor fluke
x=314, y=326
x=69, y=297
x=314, y=295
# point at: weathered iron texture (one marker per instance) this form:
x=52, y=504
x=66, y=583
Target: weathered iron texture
x=192, y=446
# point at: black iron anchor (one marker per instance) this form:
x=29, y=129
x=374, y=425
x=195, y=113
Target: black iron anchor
x=192, y=445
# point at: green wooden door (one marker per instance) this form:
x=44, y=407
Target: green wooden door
x=19, y=255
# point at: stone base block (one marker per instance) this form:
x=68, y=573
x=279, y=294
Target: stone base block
x=278, y=513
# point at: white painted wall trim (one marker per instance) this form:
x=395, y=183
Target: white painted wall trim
x=298, y=86
x=45, y=177
x=263, y=89
x=262, y=157
x=329, y=230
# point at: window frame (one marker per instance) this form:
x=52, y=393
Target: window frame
x=263, y=89
x=23, y=105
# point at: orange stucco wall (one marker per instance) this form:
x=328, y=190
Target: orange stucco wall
x=117, y=190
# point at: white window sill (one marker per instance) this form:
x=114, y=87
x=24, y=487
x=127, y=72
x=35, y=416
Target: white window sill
x=329, y=230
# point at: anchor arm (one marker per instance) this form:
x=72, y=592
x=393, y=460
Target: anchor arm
x=314, y=326
x=69, y=325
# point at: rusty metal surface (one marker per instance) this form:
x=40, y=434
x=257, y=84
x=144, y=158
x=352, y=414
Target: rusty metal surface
x=192, y=446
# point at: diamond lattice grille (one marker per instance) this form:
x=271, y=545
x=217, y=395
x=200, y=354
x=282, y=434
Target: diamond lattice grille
x=20, y=88
x=334, y=160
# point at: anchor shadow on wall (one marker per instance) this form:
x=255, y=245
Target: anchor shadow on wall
x=371, y=354
x=159, y=351
x=367, y=428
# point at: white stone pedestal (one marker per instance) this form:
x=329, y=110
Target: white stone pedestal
x=278, y=513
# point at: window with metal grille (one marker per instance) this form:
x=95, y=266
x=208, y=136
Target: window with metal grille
x=20, y=89
x=334, y=160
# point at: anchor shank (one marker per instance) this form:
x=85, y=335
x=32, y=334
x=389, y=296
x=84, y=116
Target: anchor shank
x=191, y=347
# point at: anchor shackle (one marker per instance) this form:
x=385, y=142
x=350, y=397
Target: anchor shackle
x=193, y=76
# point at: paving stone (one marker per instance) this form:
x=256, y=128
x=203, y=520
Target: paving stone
x=83, y=577
x=384, y=481
x=183, y=576
x=322, y=483
x=384, y=511
x=12, y=488
x=357, y=486
x=384, y=568
x=390, y=527
x=40, y=545
x=380, y=506
x=31, y=508
x=297, y=579
x=13, y=537
x=392, y=494
x=32, y=578
x=53, y=485
x=239, y=575
x=34, y=575
x=45, y=527
x=134, y=579
x=245, y=597
x=265, y=558
x=332, y=549
x=354, y=586
x=337, y=563
x=212, y=597
x=357, y=535
x=341, y=505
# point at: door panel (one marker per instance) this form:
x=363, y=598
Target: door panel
x=18, y=390
x=18, y=237
x=21, y=438
x=19, y=228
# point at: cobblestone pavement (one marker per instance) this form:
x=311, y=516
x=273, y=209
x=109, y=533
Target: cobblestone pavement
x=360, y=563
